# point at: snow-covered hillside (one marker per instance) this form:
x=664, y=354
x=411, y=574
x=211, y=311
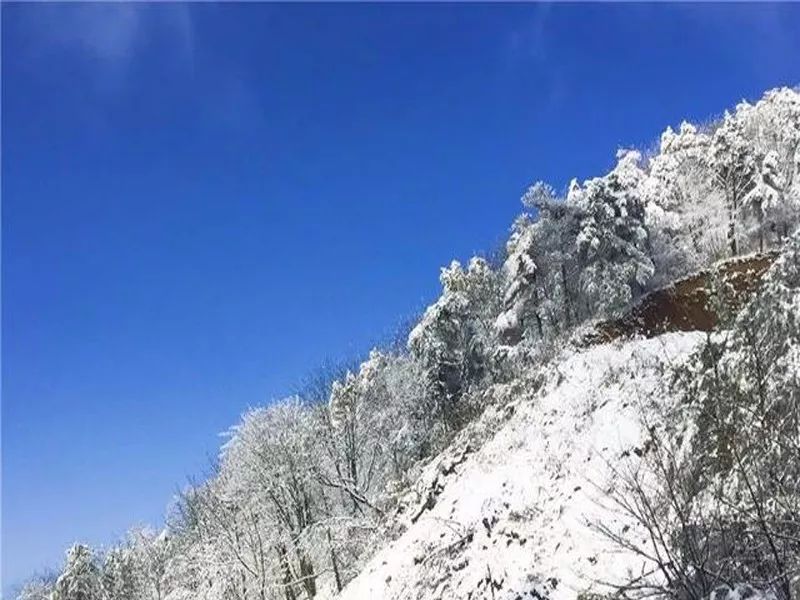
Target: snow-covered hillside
x=512, y=518
x=491, y=451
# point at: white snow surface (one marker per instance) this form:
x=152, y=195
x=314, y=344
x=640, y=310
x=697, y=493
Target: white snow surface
x=512, y=516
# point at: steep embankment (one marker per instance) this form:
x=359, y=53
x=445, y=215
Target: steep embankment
x=510, y=518
x=507, y=511
x=685, y=305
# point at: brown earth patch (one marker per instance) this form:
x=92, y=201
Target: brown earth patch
x=684, y=305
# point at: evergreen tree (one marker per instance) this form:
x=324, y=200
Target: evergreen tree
x=521, y=296
x=773, y=125
x=612, y=242
x=450, y=340
x=80, y=579
x=119, y=576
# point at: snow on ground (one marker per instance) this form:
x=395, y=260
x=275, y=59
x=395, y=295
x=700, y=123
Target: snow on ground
x=510, y=519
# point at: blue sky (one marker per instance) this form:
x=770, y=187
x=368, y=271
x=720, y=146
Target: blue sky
x=202, y=203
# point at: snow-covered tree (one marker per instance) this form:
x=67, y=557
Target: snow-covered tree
x=612, y=242
x=379, y=402
x=763, y=197
x=682, y=212
x=371, y=422
x=522, y=294
x=733, y=165
x=354, y=447
x=557, y=229
x=366, y=437
x=80, y=579
x=773, y=126
x=39, y=587
x=200, y=566
x=150, y=553
x=762, y=354
x=542, y=268
x=450, y=339
x=120, y=577
x=267, y=480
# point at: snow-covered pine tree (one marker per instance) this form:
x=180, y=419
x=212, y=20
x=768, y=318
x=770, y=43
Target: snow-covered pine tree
x=450, y=339
x=764, y=196
x=119, y=576
x=612, y=242
x=556, y=229
x=773, y=125
x=521, y=295
x=80, y=579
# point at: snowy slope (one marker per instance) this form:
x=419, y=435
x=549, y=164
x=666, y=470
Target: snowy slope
x=509, y=518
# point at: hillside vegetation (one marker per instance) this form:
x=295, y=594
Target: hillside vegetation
x=610, y=409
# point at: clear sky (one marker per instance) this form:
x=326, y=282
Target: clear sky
x=201, y=203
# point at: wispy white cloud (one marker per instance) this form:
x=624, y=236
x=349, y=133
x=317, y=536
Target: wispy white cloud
x=108, y=32
x=103, y=42
x=111, y=34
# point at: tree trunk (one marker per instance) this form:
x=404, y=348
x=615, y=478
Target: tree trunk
x=334, y=563
x=567, y=318
x=286, y=570
x=732, y=233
